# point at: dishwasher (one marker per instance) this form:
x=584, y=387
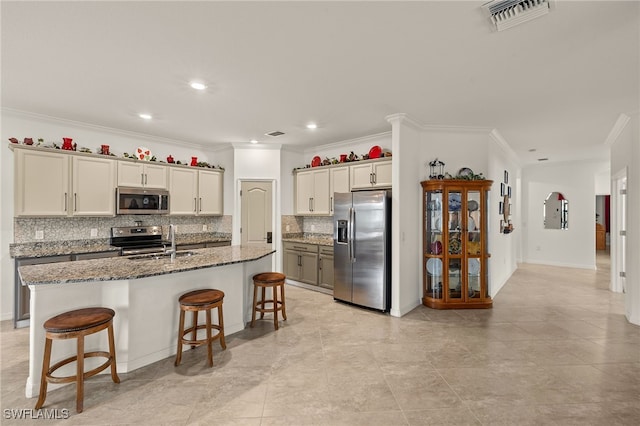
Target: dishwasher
x=21, y=312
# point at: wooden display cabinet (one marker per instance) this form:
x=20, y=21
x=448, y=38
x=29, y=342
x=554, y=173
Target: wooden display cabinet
x=454, y=247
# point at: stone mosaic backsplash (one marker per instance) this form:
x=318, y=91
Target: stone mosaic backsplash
x=318, y=225
x=79, y=228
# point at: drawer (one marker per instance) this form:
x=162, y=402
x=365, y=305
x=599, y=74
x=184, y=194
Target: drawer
x=310, y=248
x=326, y=250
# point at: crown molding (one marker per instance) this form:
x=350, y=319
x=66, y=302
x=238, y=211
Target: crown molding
x=504, y=145
x=348, y=142
x=105, y=129
x=458, y=129
x=262, y=146
x=617, y=129
x=404, y=118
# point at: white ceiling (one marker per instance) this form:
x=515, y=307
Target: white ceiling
x=556, y=84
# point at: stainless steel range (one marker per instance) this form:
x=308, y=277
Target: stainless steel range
x=139, y=239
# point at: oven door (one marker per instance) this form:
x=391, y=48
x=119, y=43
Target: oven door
x=142, y=201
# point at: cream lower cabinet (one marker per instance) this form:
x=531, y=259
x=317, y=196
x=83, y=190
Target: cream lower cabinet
x=195, y=192
x=59, y=184
x=300, y=262
x=141, y=174
x=312, y=192
x=376, y=174
x=325, y=267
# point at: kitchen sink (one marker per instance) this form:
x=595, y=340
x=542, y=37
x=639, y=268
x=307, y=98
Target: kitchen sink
x=160, y=256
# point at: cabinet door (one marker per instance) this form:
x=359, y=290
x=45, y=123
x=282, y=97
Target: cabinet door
x=210, y=192
x=325, y=271
x=130, y=174
x=291, y=264
x=93, y=186
x=183, y=190
x=360, y=175
x=320, y=201
x=309, y=271
x=338, y=182
x=155, y=176
x=41, y=183
x=381, y=174
x=304, y=192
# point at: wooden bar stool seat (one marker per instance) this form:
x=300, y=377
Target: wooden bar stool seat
x=76, y=325
x=274, y=281
x=196, y=301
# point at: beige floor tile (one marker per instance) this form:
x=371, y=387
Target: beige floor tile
x=570, y=359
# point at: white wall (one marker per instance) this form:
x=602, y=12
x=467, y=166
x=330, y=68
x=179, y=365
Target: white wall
x=574, y=247
x=259, y=162
x=625, y=154
x=20, y=125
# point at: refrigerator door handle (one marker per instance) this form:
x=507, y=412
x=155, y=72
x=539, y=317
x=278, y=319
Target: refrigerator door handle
x=352, y=238
x=349, y=235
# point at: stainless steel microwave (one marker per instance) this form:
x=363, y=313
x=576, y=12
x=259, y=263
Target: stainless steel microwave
x=142, y=201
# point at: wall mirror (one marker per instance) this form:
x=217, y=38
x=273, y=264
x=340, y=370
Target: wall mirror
x=556, y=211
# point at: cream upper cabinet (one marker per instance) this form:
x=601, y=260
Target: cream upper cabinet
x=195, y=192
x=140, y=174
x=371, y=175
x=338, y=182
x=183, y=190
x=210, y=192
x=71, y=185
x=41, y=183
x=93, y=186
x=312, y=192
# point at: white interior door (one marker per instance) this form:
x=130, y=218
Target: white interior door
x=256, y=210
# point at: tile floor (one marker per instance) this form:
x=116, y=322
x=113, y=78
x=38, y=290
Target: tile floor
x=555, y=350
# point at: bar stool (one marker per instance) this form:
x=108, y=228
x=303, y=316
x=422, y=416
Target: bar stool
x=273, y=280
x=196, y=301
x=76, y=325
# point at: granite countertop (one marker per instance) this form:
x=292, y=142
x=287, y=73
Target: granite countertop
x=319, y=239
x=126, y=268
x=96, y=245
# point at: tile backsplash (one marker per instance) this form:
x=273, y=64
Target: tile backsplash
x=79, y=228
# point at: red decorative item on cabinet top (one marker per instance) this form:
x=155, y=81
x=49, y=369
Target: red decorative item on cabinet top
x=170, y=159
x=375, y=152
x=316, y=161
x=67, y=144
x=194, y=161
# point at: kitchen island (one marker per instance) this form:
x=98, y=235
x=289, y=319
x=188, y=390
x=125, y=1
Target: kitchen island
x=144, y=293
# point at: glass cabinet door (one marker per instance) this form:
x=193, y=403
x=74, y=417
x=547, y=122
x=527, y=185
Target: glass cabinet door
x=434, y=247
x=474, y=224
x=455, y=224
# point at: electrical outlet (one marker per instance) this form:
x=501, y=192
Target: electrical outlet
x=288, y=228
x=94, y=232
x=40, y=235
x=204, y=228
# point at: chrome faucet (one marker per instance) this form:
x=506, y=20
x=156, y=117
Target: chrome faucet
x=172, y=237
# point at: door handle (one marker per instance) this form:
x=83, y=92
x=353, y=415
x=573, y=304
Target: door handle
x=141, y=178
x=331, y=203
x=195, y=204
x=200, y=205
x=371, y=178
x=146, y=176
x=269, y=237
x=375, y=178
x=66, y=201
x=75, y=202
x=310, y=204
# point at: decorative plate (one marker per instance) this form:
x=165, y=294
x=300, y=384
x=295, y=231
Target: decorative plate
x=474, y=267
x=143, y=153
x=434, y=266
x=316, y=161
x=454, y=201
x=472, y=205
x=465, y=173
x=375, y=152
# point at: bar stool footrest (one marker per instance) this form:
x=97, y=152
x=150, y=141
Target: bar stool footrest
x=70, y=379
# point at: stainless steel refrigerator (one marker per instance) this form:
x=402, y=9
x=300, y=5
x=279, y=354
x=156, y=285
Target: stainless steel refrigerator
x=362, y=248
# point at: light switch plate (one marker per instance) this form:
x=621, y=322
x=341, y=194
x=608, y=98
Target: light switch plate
x=204, y=228
x=94, y=232
x=40, y=235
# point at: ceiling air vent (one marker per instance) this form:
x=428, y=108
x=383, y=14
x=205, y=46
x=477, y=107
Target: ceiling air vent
x=509, y=13
x=274, y=134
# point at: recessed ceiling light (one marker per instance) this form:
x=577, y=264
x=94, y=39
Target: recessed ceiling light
x=254, y=141
x=197, y=85
x=145, y=116
x=312, y=126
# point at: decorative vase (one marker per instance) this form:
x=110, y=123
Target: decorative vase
x=170, y=159
x=194, y=161
x=67, y=144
